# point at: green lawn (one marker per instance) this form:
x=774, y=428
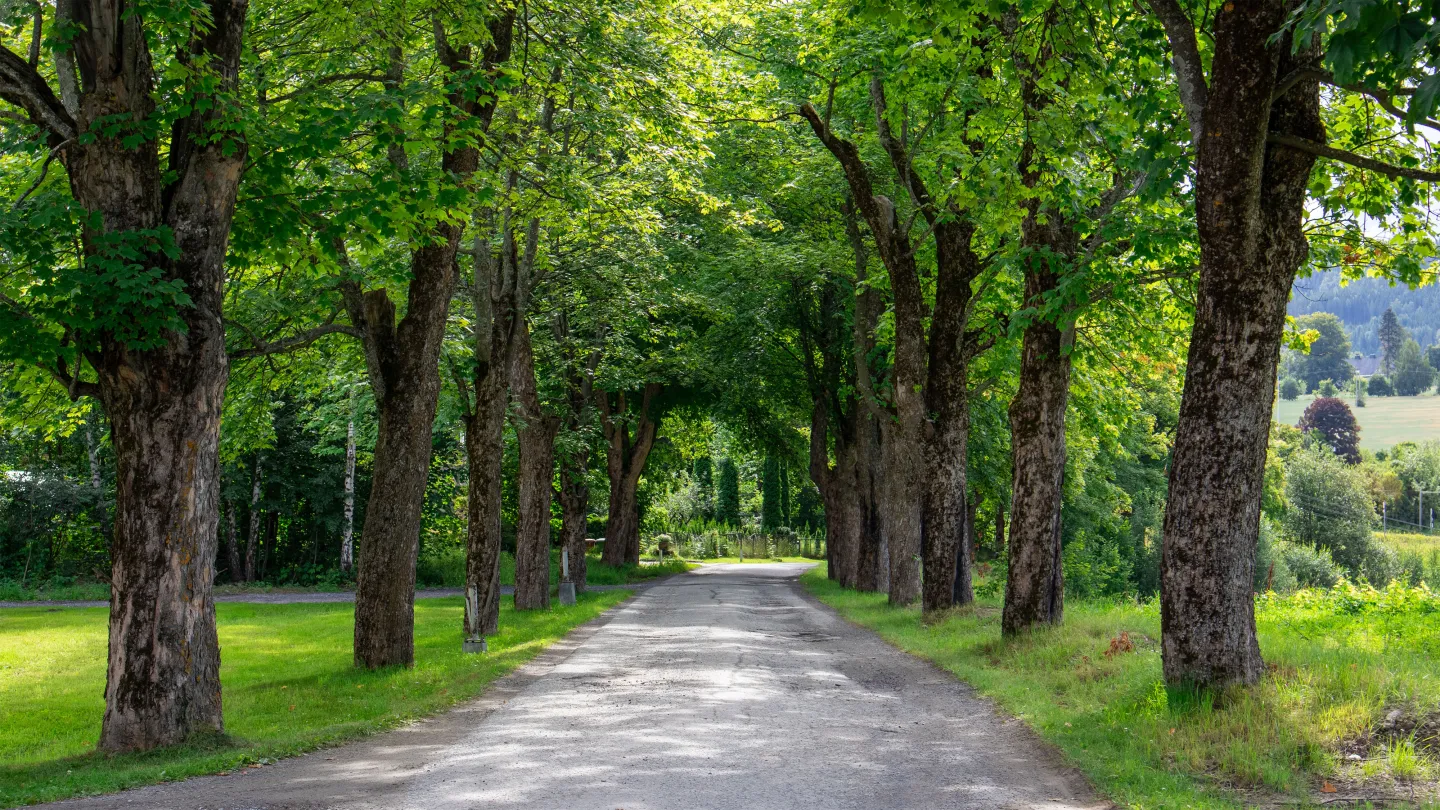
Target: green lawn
x=1340, y=662
x=446, y=571
x=288, y=680
x=1384, y=421
x=748, y=560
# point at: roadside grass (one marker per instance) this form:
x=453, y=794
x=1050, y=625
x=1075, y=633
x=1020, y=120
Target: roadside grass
x=749, y=559
x=289, y=687
x=441, y=571
x=1341, y=665
x=1384, y=421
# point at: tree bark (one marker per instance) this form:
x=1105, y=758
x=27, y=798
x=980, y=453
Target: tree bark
x=232, y=545
x=484, y=455
x=1034, y=592
x=1250, y=204
x=535, y=432
x=252, y=535
x=872, y=558
x=574, y=508
x=625, y=457
x=1035, y=589
x=347, y=527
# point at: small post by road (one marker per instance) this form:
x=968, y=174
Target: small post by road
x=567, y=588
x=473, y=643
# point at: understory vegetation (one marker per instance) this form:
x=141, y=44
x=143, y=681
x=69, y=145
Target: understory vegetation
x=1348, y=702
x=290, y=687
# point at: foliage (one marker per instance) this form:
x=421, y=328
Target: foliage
x=727, y=496
x=1289, y=388
x=1379, y=385
x=1329, y=507
x=1329, y=355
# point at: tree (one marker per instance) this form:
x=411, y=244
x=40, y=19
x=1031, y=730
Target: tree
x=727, y=494
x=1413, y=375
x=1329, y=357
x=1249, y=193
x=1289, y=389
x=770, y=515
x=1379, y=386
x=1331, y=420
x=1392, y=337
x=630, y=429
x=141, y=307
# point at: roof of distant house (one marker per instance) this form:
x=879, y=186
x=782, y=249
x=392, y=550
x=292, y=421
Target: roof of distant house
x=1366, y=366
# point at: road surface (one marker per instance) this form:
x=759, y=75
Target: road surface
x=727, y=688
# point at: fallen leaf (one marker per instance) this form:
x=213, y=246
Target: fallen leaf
x=292, y=707
x=1326, y=787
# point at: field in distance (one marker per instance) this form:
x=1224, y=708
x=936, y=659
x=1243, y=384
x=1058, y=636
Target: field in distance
x=1384, y=421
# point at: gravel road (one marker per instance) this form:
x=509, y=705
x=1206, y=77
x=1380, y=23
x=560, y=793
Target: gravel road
x=727, y=688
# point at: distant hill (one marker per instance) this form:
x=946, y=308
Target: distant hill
x=1361, y=303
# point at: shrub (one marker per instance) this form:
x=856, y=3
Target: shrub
x=1271, y=570
x=1329, y=507
x=1311, y=567
x=1326, y=388
x=1381, y=565
x=1289, y=388
x=1380, y=387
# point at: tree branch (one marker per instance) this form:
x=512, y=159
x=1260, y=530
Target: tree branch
x=22, y=85
x=263, y=348
x=339, y=77
x=1185, y=56
x=1352, y=159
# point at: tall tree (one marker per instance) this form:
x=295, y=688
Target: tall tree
x=159, y=230
x=1392, y=337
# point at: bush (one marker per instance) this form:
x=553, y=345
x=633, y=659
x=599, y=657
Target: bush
x=1327, y=388
x=1413, y=375
x=1311, y=567
x=1329, y=507
x=1289, y=388
x=1380, y=387
x=444, y=568
x=1271, y=570
x=1381, y=566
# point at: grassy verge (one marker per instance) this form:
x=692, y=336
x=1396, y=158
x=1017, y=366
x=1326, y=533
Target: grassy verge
x=1350, y=698
x=288, y=680
x=758, y=560
x=448, y=571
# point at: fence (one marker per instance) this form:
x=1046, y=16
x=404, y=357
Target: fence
x=750, y=545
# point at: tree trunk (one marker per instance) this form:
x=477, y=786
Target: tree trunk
x=347, y=527
x=385, y=589
x=872, y=558
x=1034, y=592
x=252, y=535
x=232, y=545
x=837, y=491
x=574, y=507
x=97, y=478
x=947, y=390
x=625, y=457
x=535, y=432
x=402, y=362
x=484, y=455
x=1250, y=203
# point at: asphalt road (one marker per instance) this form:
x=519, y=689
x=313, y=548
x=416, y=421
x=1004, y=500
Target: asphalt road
x=724, y=689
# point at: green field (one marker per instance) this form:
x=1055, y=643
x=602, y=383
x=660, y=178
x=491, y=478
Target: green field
x=1384, y=421
x=287, y=674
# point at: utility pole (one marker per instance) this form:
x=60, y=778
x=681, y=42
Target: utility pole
x=1420, y=508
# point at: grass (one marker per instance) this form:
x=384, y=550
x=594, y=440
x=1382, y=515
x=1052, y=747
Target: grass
x=758, y=560
x=442, y=571
x=288, y=680
x=1339, y=663
x=1384, y=421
